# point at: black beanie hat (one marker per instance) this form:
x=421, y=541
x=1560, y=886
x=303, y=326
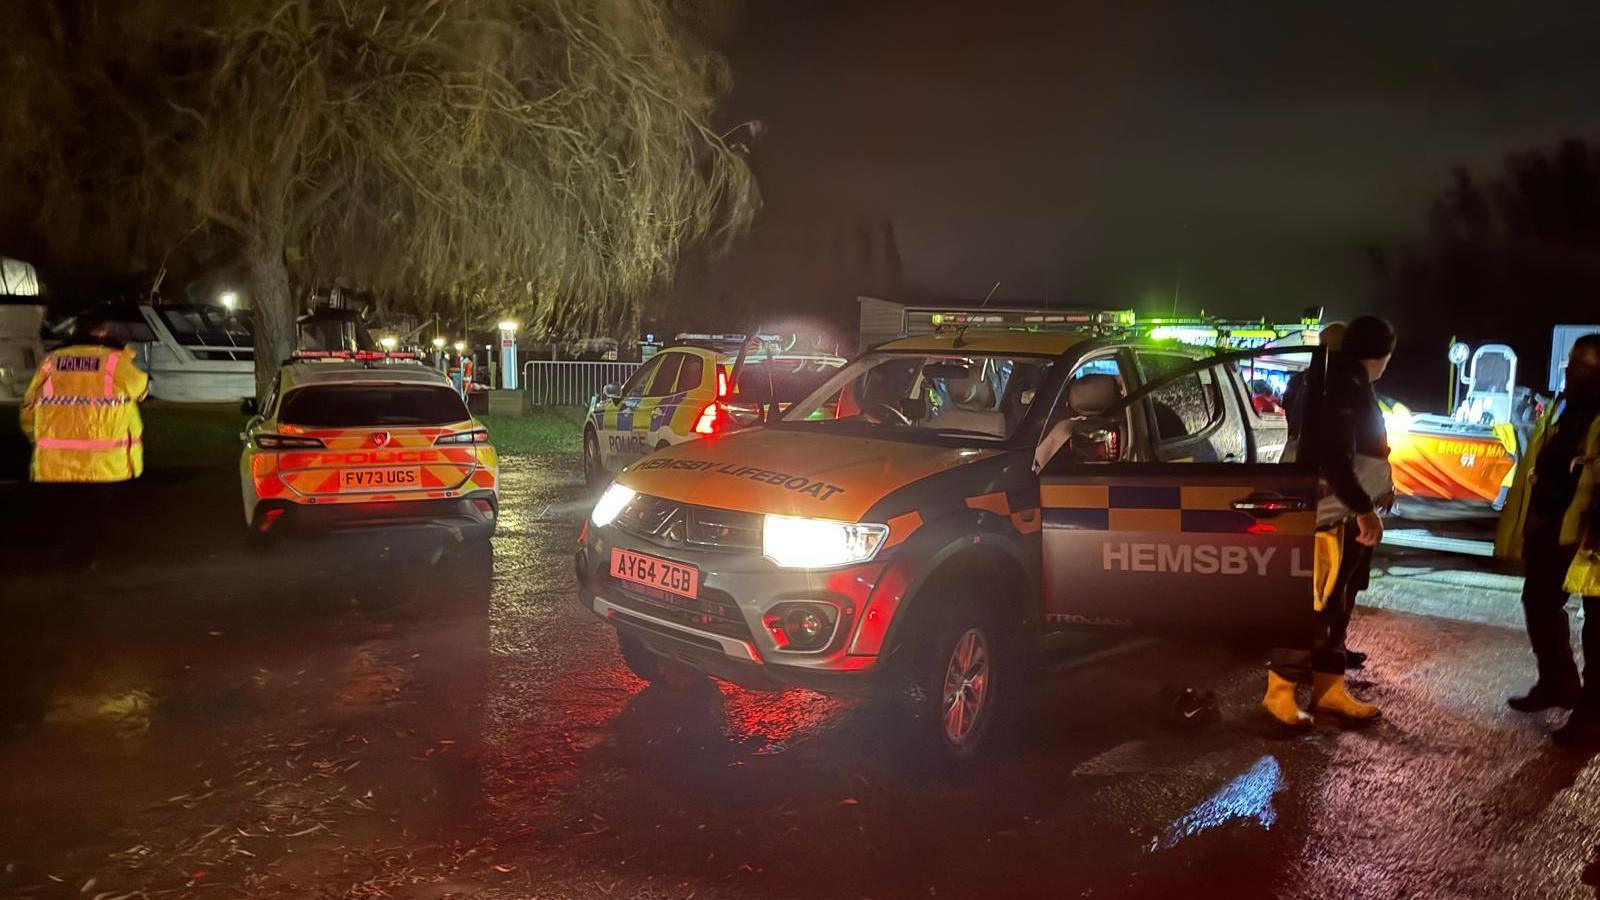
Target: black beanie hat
x=1368, y=337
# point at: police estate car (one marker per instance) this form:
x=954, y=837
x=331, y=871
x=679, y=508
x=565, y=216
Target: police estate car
x=707, y=384
x=357, y=440
x=962, y=495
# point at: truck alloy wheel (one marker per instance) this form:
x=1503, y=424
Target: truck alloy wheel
x=965, y=697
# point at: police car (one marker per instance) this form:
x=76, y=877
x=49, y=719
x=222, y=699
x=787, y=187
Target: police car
x=941, y=505
x=704, y=385
x=357, y=440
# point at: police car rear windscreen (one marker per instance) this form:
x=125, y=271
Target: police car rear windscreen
x=358, y=405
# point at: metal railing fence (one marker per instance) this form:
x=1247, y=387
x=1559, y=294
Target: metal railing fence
x=570, y=383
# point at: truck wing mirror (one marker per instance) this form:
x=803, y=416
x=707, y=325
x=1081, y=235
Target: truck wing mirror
x=249, y=406
x=612, y=392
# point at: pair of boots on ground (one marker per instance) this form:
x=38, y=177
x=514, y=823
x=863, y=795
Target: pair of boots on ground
x=1328, y=695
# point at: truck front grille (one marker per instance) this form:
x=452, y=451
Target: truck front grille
x=673, y=524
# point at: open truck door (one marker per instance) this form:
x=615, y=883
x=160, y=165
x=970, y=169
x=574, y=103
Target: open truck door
x=1169, y=504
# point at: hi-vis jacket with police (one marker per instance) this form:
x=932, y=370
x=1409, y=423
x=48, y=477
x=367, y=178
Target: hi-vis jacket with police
x=82, y=414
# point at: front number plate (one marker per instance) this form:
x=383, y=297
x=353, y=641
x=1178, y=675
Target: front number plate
x=378, y=479
x=657, y=573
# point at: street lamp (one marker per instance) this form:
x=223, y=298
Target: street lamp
x=438, y=343
x=509, y=326
x=388, y=342
x=228, y=299
x=460, y=346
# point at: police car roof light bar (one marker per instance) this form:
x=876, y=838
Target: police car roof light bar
x=355, y=355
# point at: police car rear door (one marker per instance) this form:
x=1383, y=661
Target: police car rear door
x=1192, y=523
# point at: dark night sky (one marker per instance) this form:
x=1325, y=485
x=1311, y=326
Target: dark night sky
x=1097, y=153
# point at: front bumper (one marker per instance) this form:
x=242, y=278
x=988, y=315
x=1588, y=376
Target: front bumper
x=733, y=645
x=465, y=515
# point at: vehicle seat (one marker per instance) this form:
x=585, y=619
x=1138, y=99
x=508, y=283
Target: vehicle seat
x=1092, y=395
x=976, y=413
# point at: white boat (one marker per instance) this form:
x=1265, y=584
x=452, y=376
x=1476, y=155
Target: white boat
x=195, y=353
x=21, y=318
x=20, y=347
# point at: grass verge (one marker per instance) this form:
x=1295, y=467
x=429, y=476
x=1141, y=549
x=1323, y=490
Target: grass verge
x=206, y=435
x=550, y=429
x=176, y=436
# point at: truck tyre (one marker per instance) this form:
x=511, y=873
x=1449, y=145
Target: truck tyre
x=594, y=475
x=969, y=677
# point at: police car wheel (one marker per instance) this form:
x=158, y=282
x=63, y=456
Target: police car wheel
x=255, y=539
x=593, y=474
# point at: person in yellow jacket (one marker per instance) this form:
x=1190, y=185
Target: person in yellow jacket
x=1549, y=523
x=81, y=412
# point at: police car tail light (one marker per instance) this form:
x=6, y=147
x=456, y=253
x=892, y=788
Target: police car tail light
x=707, y=423
x=611, y=504
x=475, y=436
x=796, y=543
x=287, y=442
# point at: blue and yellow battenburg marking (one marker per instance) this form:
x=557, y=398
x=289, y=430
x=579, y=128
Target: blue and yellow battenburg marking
x=654, y=412
x=1156, y=507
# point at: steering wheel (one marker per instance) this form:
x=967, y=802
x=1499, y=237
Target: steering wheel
x=894, y=412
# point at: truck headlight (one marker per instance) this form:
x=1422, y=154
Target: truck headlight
x=611, y=504
x=796, y=543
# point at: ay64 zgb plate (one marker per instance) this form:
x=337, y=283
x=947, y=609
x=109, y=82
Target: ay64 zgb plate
x=654, y=572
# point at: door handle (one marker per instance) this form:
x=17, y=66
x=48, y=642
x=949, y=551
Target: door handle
x=1270, y=504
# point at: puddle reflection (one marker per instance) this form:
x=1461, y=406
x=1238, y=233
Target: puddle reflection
x=1247, y=797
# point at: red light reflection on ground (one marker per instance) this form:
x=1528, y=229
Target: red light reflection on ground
x=772, y=721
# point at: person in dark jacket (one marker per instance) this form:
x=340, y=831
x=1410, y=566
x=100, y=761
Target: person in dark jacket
x=1331, y=337
x=1350, y=425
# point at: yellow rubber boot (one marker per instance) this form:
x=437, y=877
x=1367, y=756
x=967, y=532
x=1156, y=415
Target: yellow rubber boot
x=1280, y=703
x=1328, y=694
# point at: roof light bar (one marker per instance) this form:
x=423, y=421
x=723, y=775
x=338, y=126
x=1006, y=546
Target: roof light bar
x=357, y=355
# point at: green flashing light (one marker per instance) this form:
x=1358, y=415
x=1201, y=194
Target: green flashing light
x=1188, y=334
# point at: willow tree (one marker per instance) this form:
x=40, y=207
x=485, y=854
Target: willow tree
x=549, y=157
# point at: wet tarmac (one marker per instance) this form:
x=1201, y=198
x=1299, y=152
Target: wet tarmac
x=401, y=718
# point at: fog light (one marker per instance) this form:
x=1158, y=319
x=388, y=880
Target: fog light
x=801, y=625
x=806, y=626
